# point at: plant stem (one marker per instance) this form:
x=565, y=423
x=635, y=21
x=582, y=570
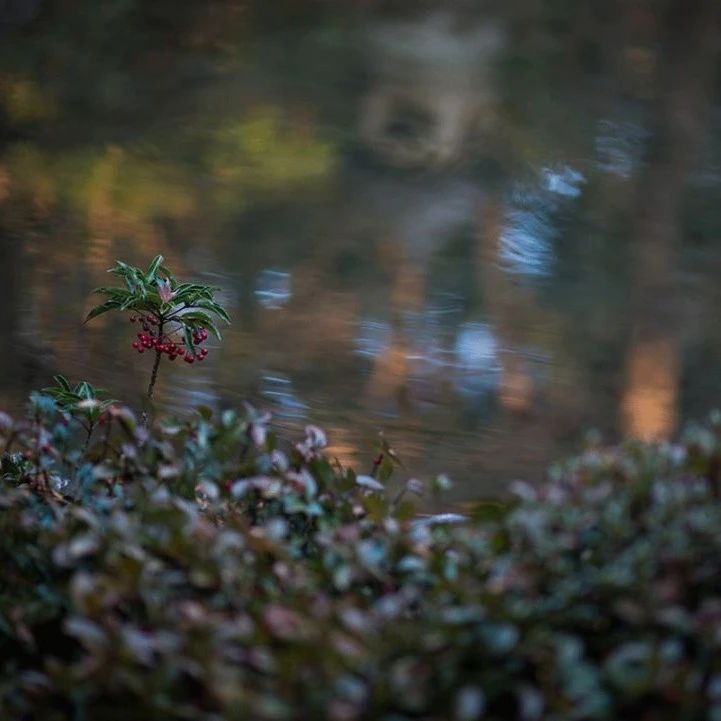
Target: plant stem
x=89, y=431
x=154, y=374
x=88, y=435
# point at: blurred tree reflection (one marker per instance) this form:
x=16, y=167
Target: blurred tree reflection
x=655, y=356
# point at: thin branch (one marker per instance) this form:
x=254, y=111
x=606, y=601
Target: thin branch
x=89, y=429
x=154, y=374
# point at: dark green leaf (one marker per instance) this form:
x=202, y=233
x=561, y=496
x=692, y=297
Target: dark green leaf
x=189, y=340
x=153, y=268
x=214, y=308
x=102, y=308
x=62, y=381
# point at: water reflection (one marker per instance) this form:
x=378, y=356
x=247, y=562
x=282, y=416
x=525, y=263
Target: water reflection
x=618, y=147
x=477, y=362
x=471, y=227
x=273, y=289
x=433, y=86
x=374, y=338
x=563, y=180
x=278, y=390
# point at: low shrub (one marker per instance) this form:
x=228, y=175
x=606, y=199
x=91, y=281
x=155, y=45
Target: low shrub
x=199, y=570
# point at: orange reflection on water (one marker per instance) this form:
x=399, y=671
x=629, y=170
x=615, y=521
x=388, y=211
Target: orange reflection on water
x=650, y=396
x=516, y=392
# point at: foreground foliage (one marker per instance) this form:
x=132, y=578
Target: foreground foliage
x=198, y=571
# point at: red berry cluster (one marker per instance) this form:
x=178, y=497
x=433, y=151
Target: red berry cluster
x=152, y=339
x=200, y=336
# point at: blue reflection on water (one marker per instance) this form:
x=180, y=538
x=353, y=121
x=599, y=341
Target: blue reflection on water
x=373, y=339
x=278, y=389
x=563, y=180
x=526, y=242
x=619, y=147
x=478, y=369
x=273, y=288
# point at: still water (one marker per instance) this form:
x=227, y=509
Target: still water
x=482, y=228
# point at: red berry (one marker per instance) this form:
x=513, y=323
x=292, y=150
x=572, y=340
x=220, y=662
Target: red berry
x=133, y=319
x=141, y=350
x=136, y=345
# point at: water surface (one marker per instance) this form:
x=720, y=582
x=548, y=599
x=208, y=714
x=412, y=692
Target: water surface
x=484, y=230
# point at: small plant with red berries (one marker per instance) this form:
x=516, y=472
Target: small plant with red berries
x=175, y=319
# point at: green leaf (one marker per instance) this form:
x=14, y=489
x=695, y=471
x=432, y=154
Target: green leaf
x=182, y=287
x=128, y=303
x=168, y=274
x=120, y=268
x=214, y=307
x=153, y=268
x=85, y=390
x=152, y=299
x=62, y=381
x=199, y=319
x=116, y=293
x=102, y=308
x=188, y=293
x=214, y=330
x=140, y=283
x=194, y=317
x=189, y=340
